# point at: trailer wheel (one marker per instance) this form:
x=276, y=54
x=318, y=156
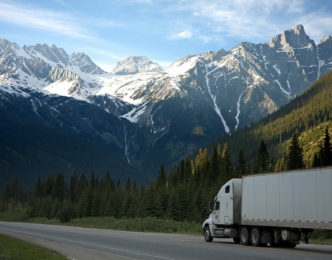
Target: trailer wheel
x=207, y=234
x=255, y=237
x=244, y=237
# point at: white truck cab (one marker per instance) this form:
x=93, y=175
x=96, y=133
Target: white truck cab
x=225, y=212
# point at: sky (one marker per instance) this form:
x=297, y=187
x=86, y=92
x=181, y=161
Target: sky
x=164, y=31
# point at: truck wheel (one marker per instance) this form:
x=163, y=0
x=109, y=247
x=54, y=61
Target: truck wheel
x=244, y=237
x=207, y=234
x=255, y=237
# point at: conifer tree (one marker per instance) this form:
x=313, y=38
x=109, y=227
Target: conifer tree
x=73, y=186
x=161, y=180
x=58, y=191
x=215, y=164
x=241, y=163
x=262, y=160
x=188, y=167
x=316, y=161
x=226, y=166
x=327, y=159
x=49, y=186
x=295, y=156
x=39, y=190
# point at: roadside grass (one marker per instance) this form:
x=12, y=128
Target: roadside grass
x=18, y=214
x=321, y=237
x=13, y=248
x=148, y=224
x=321, y=241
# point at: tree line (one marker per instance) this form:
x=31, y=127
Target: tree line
x=181, y=194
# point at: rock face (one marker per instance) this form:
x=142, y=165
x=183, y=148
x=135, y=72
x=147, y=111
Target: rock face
x=132, y=65
x=194, y=101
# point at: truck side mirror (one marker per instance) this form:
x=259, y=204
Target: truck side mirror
x=211, y=206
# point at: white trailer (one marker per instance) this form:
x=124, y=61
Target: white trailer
x=279, y=209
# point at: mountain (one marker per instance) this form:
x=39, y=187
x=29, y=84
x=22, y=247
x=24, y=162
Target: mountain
x=162, y=115
x=135, y=64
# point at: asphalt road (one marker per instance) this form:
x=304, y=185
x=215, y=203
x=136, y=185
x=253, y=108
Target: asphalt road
x=88, y=243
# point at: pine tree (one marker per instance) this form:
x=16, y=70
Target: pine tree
x=39, y=190
x=262, y=160
x=316, y=161
x=73, y=187
x=241, y=163
x=327, y=150
x=58, y=191
x=295, y=156
x=226, y=166
x=161, y=180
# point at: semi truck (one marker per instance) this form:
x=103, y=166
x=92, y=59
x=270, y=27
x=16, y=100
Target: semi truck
x=279, y=209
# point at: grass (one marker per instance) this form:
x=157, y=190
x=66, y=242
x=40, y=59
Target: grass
x=17, y=214
x=321, y=241
x=12, y=248
x=147, y=224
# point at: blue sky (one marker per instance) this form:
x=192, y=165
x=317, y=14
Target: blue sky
x=162, y=30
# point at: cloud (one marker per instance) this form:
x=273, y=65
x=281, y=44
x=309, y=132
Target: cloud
x=253, y=20
x=184, y=34
x=55, y=22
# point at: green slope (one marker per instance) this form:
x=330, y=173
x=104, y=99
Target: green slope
x=307, y=115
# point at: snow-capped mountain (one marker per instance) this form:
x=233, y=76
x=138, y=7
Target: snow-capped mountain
x=195, y=100
x=135, y=64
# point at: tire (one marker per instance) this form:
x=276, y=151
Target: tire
x=255, y=237
x=236, y=240
x=244, y=237
x=207, y=234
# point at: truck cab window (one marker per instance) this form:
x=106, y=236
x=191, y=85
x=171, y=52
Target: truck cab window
x=216, y=205
x=227, y=189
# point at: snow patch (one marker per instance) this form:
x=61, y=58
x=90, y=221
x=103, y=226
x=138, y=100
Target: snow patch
x=135, y=113
x=216, y=108
x=181, y=67
x=238, y=111
x=282, y=89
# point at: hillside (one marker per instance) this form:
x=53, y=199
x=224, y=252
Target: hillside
x=59, y=134
x=307, y=115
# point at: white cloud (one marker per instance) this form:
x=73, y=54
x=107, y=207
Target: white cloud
x=253, y=20
x=55, y=22
x=184, y=34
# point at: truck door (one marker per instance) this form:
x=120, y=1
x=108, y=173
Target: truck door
x=226, y=205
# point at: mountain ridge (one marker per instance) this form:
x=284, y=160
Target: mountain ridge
x=169, y=113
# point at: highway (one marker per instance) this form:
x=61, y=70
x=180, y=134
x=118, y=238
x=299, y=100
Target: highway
x=88, y=243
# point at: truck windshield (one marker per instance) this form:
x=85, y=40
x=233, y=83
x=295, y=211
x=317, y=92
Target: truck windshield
x=216, y=205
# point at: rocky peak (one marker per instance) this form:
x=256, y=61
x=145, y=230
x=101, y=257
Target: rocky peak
x=85, y=64
x=294, y=38
x=135, y=64
x=326, y=38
